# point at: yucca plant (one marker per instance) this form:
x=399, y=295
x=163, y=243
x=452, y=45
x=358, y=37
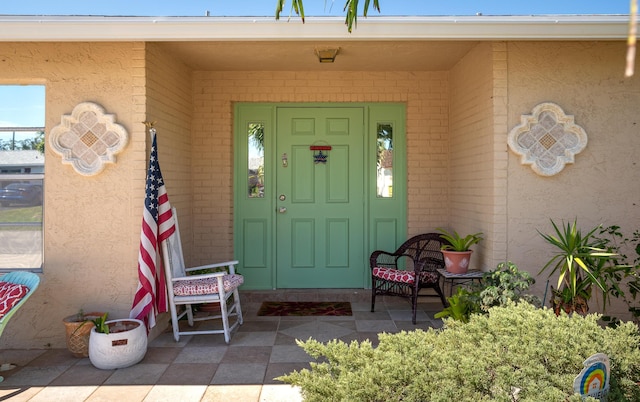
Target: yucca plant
x=580, y=264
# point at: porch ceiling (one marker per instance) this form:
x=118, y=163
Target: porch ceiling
x=300, y=55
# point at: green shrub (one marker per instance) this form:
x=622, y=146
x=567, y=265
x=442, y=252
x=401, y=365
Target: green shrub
x=516, y=349
x=506, y=284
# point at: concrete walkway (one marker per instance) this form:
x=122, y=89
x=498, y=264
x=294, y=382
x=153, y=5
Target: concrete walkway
x=203, y=367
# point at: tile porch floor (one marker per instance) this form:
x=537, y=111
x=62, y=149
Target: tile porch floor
x=203, y=367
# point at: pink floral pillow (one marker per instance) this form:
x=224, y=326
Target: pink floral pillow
x=10, y=295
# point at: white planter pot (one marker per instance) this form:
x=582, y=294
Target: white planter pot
x=124, y=345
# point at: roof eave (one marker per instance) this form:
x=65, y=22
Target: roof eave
x=104, y=28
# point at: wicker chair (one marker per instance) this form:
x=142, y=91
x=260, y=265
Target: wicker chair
x=395, y=273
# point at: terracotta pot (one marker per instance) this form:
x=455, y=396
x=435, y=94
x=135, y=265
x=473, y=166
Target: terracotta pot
x=579, y=306
x=124, y=345
x=457, y=262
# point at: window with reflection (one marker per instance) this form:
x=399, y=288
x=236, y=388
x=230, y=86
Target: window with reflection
x=21, y=177
x=256, y=160
x=384, y=160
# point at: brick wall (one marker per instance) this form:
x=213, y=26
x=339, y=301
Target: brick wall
x=424, y=93
x=169, y=103
x=476, y=155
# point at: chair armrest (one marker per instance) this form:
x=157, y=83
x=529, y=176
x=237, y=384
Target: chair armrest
x=388, y=259
x=432, y=264
x=202, y=276
x=230, y=264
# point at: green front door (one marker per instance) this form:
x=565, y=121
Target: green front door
x=300, y=222
x=320, y=216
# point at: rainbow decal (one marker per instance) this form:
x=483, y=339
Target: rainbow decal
x=593, y=380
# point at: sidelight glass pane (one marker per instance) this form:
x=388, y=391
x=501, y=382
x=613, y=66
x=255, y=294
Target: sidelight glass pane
x=384, y=165
x=256, y=160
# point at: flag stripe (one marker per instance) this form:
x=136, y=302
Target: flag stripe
x=158, y=224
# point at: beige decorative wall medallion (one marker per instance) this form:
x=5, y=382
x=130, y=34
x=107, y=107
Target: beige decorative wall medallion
x=547, y=139
x=88, y=138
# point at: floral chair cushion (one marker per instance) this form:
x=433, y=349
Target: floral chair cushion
x=399, y=275
x=196, y=287
x=10, y=295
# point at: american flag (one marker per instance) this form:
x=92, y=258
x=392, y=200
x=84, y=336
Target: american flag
x=157, y=225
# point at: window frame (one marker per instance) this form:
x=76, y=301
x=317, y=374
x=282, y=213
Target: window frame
x=25, y=177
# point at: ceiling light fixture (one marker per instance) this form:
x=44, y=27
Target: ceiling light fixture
x=327, y=55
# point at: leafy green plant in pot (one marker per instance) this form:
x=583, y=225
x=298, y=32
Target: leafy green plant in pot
x=581, y=264
x=457, y=253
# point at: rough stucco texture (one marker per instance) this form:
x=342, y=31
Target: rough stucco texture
x=91, y=224
x=601, y=187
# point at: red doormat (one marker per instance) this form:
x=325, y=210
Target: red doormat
x=305, y=308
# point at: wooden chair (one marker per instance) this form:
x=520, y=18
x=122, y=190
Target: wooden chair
x=186, y=290
x=15, y=288
x=408, y=270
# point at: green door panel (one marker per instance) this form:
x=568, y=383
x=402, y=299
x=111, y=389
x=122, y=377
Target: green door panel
x=313, y=225
x=320, y=219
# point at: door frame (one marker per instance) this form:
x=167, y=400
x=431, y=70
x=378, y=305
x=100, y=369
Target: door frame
x=385, y=219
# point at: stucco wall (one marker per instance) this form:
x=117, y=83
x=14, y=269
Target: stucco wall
x=586, y=80
x=91, y=224
x=426, y=95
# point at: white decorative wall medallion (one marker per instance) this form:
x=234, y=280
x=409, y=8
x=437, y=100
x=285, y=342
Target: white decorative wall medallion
x=88, y=138
x=547, y=139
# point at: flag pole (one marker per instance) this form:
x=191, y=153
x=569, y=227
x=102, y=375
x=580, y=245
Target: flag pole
x=157, y=225
x=149, y=127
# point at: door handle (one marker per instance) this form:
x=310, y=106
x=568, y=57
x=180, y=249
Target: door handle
x=282, y=210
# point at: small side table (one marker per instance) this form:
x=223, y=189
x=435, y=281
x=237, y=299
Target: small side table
x=458, y=279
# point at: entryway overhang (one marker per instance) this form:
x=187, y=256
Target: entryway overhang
x=262, y=43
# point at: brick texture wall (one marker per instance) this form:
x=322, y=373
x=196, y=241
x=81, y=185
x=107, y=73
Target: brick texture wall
x=477, y=151
x=426, y=95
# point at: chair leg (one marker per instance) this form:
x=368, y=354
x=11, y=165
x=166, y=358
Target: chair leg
x=414, y=306
x=373, y=295
x=189, y=314
x=441, y=294
x=225, y=317
x=236, y=301
x=174, y=321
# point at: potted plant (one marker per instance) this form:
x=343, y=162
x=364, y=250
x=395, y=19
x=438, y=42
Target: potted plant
x=117, y=343
x=580, y=263
x=457, y=253
x=78, y=327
